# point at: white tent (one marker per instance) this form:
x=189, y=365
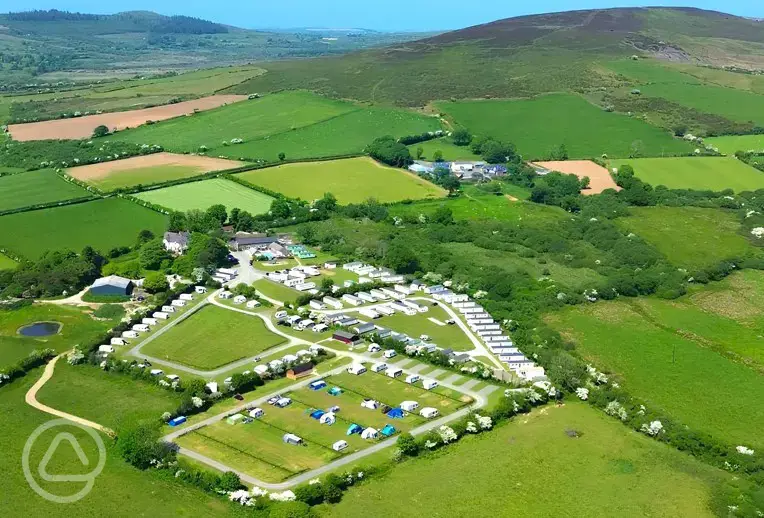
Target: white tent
x=328, y=418
x=370, y=433
x=213, y=386
x=370, y=404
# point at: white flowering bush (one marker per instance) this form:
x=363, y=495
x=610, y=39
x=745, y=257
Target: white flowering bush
x=164, y=383
x=744, y=451
x=166, y=416
x=534, y=397
x=284, y=496
x=313, y=482
x=652, y=429
x=429, y=444
x=256, y=491
x=615, y=409
x=447, y=434
x=197, y=402
x=4, y=378
x=485, y=422
x=582, y=393
x=757, y=232
x=471, y=427
x=242, y=497
x=75, y=357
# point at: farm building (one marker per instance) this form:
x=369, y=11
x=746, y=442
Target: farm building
x=345, y=337
x=176, y=242
x=251, y=242
x=300, y=371
x=112, y=285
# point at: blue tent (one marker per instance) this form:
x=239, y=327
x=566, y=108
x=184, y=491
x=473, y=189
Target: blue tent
x=388, y=430
x=317, y=414
x=317, y=385
x=354, y=428
x=395, y=413
x=335, y=391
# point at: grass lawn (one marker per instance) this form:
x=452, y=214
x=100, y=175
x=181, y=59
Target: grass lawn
x=737, y=105
x=346, y=134
x=102, y=224
x=352, y=180
x=275, y=290
x=555, y=119
x=689, y=237
x=731, y=144
x=451, y=337
x=246, y=120
x=700, y=173
x=121, y=400
x=449, y=150
x=662, y=354
x=605, y=463
x=6, y=263
x=36, y=187
x=78, y=328
x=146, y=493
x=212, y=338
x=204, y=194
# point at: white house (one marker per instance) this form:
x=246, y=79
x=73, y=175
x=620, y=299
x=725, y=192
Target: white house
x=429, y=412
x=370, y=433
x=356, y=369
x=339, y=445
x=176, y=242
x=409, y=406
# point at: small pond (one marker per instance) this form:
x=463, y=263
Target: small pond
x=41, y=329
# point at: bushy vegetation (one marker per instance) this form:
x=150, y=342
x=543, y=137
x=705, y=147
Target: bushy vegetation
x=68, y=153
x=53, y=274
x=390, y=152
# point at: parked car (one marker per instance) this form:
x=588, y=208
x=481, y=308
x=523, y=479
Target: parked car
x=238, y=397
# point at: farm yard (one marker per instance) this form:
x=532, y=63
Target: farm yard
x=102, y=224
x=700, y=173
x=527, y=450
x=599, y=177
x=203, y=194
x=731, y=144
x=36, y=187
x=555, y=119
x=689, y=237
x=82, y=127
x=148, y=169
x=213, y=337
x=352, y=180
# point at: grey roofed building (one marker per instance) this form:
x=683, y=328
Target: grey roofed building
x=176, y=242
x=246, y=240
x=362, y=329
x=112, y=285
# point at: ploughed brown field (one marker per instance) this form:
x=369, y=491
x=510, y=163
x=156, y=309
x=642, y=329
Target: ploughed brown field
x=599, y=177
x=82, y=127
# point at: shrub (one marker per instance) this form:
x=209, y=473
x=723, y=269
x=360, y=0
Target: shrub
x=141, y=447
x=110, y=311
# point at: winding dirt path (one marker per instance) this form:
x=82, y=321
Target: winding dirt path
x=31, y=400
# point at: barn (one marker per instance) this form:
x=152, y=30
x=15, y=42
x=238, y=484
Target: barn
x=112, y=285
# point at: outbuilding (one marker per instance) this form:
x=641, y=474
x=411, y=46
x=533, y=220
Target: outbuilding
x=300, y=371
x=112, y=285
x=345, y=337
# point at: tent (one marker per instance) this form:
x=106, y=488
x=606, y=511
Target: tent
x=370, y=404
x=327, y=418
x=370, y=433
x=335, y=391
x=317, y=385
x=388, y=430
x=395, y=413
x=317, y=414
x=354, y=428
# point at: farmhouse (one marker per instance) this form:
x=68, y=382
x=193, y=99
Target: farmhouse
x=112, y=285
x=300, y=371
x=176, y=242
x=252, y=242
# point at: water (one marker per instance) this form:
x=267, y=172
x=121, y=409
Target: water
x=40, y=329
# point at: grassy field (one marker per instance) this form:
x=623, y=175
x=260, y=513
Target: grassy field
x=245, y=120
x=669, y=355
x=552, y=120
x=36, y=187
x=78, y=328
x=731, y=144
x=275, y=290
x=349, y=133
x=449, y=150
x=6, y=263
x=353, y=180
x=102, y=224
x=146, y=493
x=121, y=400
x=212, y=338
x=202, y=195
x=736, y=105
x=512, y=478
x=446, y=336
x=700, y=173
x=689, y=237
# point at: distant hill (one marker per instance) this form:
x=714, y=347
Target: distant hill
x=525, y=56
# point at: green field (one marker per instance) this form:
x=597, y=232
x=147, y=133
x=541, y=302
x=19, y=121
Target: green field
x=121, y=400
x=146, y=493
x=347, y=134
x=102, y=224
x=146, y=176
x=212, y=338
x=204, y=194
x=449, y=150
x=352, y=180
x=36, y=187
x=78, y=328
x=731, y=144
x=6, y=263
x=538, y=125
x=675, y=357
x=689, y=237
x=445, y=336
x=246, y=120
x=699, y=173
x=530, y=467
x=276, y=290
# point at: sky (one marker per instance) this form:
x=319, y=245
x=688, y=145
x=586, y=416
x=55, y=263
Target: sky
x=388, y=15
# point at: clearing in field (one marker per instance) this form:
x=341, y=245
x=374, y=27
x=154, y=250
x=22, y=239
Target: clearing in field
x=670, y=354
x=82, y=127
x=352, y=180
x=605, y=461
x=35, y=188
x=202, y=195
x=276, y=290
x=6, y=263
x=446, y=336
x=700, y=173
x=689, y=237
x=599, y=177
x=552, y=120
x=148, y=169
x=448, y=149
x=731, y=144
x=213, y=337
